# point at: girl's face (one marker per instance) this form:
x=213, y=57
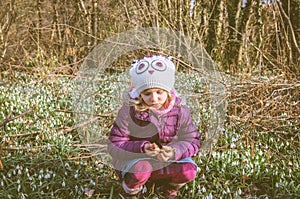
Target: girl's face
x=155, y=97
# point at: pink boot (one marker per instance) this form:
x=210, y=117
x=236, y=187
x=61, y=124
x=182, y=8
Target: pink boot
x=125, y=195
x=128, y=193
x=170, y=191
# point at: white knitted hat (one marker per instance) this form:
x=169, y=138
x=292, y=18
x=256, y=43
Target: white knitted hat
x=155, y=71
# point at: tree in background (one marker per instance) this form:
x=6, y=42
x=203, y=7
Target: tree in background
x=250, y=36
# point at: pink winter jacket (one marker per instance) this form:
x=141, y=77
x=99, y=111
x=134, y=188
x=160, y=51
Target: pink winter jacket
x=132, y=129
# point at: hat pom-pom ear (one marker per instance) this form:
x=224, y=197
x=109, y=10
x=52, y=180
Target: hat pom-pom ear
x=133, y=63
x=169, y=57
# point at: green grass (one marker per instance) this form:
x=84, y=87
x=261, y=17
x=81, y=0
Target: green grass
x=43, y=158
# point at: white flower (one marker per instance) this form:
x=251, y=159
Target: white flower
x=92, y=182
x=47, y=176
x=228, y=190
x=239, y=192
x=209, y=196
x=23, y=196
x=207, y=169
x=63, y=184
x=234, y=163
x=100, y=166
x=67, y=165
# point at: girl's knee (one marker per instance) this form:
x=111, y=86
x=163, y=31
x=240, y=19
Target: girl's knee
x=142, y=166
x=189, y=173
x=138, y=175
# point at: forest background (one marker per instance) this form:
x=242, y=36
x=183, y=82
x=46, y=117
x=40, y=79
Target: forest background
x=255, y=43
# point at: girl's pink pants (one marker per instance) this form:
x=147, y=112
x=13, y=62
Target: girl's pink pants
x=175, y=173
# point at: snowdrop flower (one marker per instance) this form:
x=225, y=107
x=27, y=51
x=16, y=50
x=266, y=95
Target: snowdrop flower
x=92, y=182
x=239, y=192
x=100, y=166
x=209, y=196
x=47, y=176
x=67, y=165
x=228, y=190
x=207, y=169
x=234, y=163
x=23, y=196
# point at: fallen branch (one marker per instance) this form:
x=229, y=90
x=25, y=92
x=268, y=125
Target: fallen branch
x=85, y=113
x=20, y=134
x=9, y=119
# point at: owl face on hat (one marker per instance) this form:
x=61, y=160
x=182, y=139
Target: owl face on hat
x=155, y=71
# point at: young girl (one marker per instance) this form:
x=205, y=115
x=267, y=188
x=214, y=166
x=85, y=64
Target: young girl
x=153, y=137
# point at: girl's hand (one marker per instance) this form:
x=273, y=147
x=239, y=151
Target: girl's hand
x=167, y=153
x=151, y=149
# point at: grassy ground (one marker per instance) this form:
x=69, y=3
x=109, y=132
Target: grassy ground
x=44, y=155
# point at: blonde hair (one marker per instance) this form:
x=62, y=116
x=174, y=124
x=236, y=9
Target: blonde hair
x=140, y=105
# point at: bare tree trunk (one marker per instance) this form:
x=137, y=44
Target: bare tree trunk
x=94, y=18
x=290, y=11
x=6, y=21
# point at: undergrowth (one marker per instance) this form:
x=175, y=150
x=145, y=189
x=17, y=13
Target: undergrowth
x=44, y=156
